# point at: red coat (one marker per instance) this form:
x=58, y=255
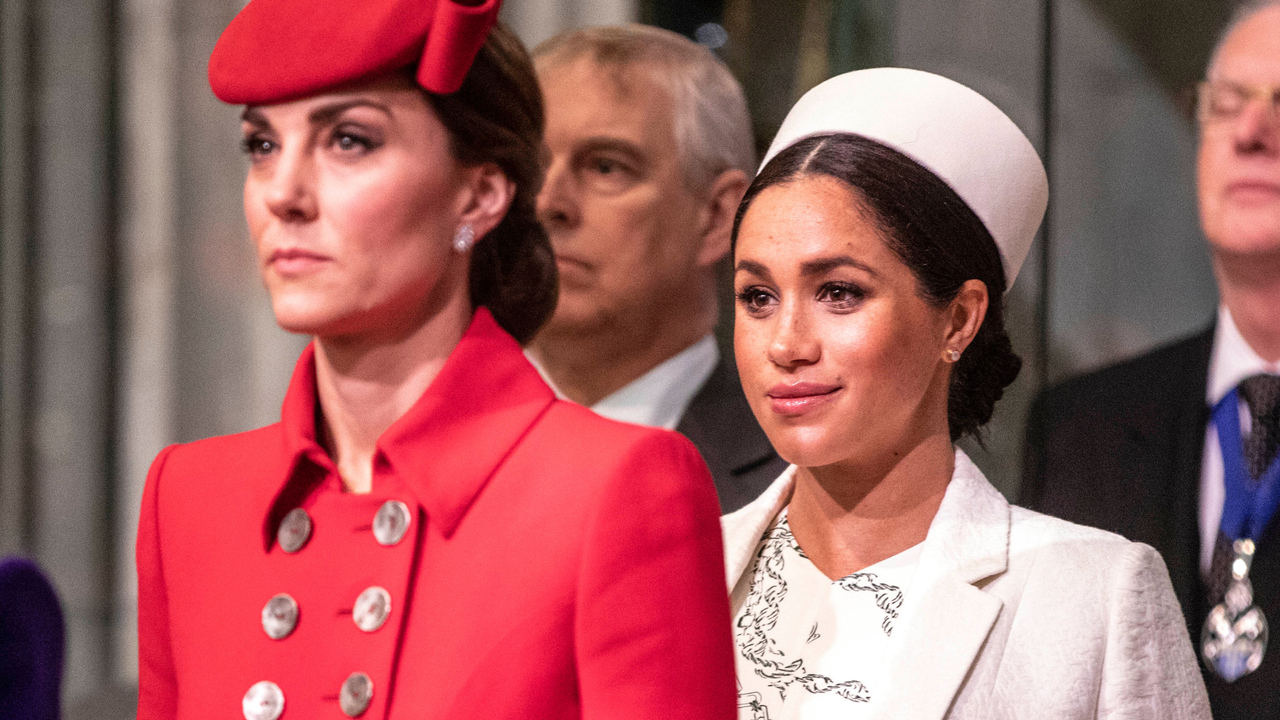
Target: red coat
x=556, y=564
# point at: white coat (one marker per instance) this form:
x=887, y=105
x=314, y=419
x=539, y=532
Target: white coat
x=1014, y=614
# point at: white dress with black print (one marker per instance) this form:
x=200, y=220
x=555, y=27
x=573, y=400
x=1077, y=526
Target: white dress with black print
x=809, y=647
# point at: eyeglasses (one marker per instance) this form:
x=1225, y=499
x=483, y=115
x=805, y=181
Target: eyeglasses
x=1221, y=100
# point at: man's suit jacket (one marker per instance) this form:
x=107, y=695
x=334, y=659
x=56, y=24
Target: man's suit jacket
x=1013, y=614
x=1120, y=449
x=721, y=425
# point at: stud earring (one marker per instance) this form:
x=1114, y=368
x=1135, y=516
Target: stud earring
x=953, y=355
x=464, y=239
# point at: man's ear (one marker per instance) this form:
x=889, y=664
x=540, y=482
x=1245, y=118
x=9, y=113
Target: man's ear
x=488, y=195
x=719, y=209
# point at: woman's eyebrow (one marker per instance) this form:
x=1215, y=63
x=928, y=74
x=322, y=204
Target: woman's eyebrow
x=254, y=116
x=320, y=116
x=325, y=114
x=825, y=265
x=752, y=267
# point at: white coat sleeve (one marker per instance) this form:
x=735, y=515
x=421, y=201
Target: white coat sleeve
x=1149, y=669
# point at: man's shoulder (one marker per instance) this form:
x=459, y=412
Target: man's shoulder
x=721, y=392
x=721, y=424
x=1106, y=449
x=1165, y=374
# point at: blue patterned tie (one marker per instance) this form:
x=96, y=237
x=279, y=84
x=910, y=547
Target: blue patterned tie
x=1261, y=393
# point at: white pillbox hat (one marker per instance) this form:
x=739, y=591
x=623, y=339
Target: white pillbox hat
x=954, y=132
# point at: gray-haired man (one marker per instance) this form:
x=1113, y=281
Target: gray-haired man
x=650, y=151
x=1152, y=448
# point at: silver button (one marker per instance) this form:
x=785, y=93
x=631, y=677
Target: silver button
x=295, y=530
x=264, y=701
x=280, y=616
x=391, y=522
x=372, y=608
x=355, y=695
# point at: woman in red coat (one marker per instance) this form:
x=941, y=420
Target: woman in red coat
x=427, y=532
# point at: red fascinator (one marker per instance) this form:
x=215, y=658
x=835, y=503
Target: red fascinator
x=278, y=50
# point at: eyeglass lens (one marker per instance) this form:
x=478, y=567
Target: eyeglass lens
x=1226, y=100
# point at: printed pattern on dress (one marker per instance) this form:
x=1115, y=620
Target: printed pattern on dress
x=759, y=617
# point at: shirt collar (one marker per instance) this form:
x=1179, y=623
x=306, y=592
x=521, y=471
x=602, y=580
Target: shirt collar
x=447, y=446
x=659, y=397
x=1232, y=360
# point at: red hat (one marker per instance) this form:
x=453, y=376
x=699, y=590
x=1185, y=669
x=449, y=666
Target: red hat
x=277, y=50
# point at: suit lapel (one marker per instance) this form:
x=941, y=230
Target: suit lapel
x=743, y=529
x=1190, y=415
x=945, y=618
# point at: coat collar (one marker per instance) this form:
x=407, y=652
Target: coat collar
x=945, y=617
x=446, y=447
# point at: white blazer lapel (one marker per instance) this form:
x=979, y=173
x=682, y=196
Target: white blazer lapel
x=743, y=529
x=945, y=619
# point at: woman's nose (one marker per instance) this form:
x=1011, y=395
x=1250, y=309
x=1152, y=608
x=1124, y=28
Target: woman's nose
x=794, y=342
x=290, y=192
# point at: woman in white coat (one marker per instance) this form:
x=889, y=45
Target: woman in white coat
x=882, y=575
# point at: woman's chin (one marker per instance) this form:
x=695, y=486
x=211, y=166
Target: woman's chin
x=810, y=449
x=307, y=320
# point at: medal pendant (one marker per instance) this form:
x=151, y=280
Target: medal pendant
x=1234, y=638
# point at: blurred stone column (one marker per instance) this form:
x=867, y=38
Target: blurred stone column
x=15, y=275
x=72, y=251
x=148, y=60
x=537, y=20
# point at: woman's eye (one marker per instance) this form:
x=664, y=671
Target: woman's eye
x=605, y=166
x=840, y=294
x=755, y=299
x=256, y=146
x=349, y=141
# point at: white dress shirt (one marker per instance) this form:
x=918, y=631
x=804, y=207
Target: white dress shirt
x=1232, y=360
x=659, y=397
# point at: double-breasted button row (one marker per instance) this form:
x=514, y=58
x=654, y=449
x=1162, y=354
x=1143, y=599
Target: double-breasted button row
x=390, y=524
x=370, y=612
x=265, y=700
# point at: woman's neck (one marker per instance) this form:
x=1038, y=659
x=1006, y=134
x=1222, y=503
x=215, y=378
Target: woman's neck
x=365, y=383
x=850, y=516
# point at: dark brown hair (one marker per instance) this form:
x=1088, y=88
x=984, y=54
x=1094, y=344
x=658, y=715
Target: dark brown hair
x=935, y=234
x=497, y=117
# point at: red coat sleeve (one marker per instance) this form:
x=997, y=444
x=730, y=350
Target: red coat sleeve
x=653, y=635
x=157, y=682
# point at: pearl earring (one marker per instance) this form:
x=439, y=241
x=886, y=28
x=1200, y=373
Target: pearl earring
x=953, y=355
x=464, y=239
